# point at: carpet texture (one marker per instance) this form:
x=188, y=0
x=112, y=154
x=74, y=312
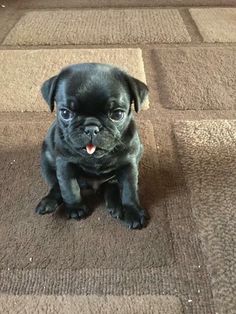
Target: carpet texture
x=8, y=19
x=120, y=3
x=208, y=152
x=90, y=304
x=22, y=72
x=98, y=27
x=196, y=78
x=216, y=24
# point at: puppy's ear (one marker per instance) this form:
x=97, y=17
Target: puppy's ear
x=139, y=92
x=48, y=91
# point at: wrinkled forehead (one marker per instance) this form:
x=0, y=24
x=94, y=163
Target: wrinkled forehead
x=92, y=88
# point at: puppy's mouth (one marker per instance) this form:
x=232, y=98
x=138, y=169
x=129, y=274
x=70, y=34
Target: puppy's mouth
x=90, y=149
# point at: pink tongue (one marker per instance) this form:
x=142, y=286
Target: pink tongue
x=90, y=149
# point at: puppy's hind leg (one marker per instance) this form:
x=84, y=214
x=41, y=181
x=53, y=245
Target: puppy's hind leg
x=113, y=199
x=53, y=199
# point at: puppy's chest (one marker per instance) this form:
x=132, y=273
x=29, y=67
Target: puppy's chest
x=93, y=182
x=97, y=167
x=94, y=175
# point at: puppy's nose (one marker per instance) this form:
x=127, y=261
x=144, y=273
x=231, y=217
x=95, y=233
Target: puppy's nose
x=91, y=130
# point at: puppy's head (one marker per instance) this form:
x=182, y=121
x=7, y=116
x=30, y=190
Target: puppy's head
x=93, y=105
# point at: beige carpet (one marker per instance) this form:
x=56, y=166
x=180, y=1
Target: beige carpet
x=196, y=78
x=90, y=304
x=22, y=72
x=119, y=3
x=98, y=27
x=216, y=24
x=208, y=153
x=8, y=19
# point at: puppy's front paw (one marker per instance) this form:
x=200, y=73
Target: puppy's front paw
x=46, y=206
x=116, y=211
x=77, y=213
x=135, y=217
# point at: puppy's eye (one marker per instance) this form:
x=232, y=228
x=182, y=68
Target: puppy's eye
x=116, y=115
x=66, y=114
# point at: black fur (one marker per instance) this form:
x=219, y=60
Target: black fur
x=91, y=93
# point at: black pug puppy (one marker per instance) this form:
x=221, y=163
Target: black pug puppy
x=93, y=141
